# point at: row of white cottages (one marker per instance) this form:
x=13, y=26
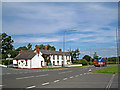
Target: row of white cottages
x=38, y=59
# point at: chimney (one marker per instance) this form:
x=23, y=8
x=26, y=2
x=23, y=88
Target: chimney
x=45, y=47
x=20, y=51
x=37, y=49
x=60, y=50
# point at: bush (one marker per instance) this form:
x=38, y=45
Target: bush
x=81, y=61
x=4, y=62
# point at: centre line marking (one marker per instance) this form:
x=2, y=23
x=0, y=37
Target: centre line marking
x=76, y=75
x=45, y=83
x=32, y=76
x=80, y=74
x=71, y=77
x=41, y=75
x=65, y=79
x=25, y=77
x=31, y=87
x=56, y=81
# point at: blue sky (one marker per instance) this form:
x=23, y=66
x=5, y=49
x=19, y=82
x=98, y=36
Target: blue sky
x=44, y=23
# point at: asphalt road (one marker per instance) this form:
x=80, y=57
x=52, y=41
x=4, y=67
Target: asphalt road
x=57, y=78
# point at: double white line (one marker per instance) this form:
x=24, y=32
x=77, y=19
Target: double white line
x=110, y=82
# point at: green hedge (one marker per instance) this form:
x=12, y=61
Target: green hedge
x=81, y=61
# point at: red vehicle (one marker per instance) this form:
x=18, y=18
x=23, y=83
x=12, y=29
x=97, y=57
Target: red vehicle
x=98, y=63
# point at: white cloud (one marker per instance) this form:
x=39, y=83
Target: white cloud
x=49, y=18
x=34, y=40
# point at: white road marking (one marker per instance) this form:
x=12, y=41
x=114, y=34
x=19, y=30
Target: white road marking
x=56, y=81
x=32, y=76
x=110, y=82
x=25, y=77
x=76, y=75
x=30, y=87
x=71, y=77
x=45, y=83
x=8, y=73
x=84, y=73
x=80, y=74
x=65, y=79
x=61, y=72
x=41, y=75
x=2, y=85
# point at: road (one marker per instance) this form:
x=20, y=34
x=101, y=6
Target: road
x=57, y=78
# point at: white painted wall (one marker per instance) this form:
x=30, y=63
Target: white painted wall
x=36, y=61
x=60, y=59
x=23, y=64
x=14, y=62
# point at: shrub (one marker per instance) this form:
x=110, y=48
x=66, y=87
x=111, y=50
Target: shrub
x=83, y=62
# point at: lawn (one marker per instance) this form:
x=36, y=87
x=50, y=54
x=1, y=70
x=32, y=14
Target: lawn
x=112, y=70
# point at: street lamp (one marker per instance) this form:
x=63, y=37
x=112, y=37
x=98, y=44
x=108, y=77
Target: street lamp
x=64, y=38
x=64, y=42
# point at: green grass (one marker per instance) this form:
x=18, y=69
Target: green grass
x=112, y=70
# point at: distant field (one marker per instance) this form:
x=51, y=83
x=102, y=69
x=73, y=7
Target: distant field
x=112, y=70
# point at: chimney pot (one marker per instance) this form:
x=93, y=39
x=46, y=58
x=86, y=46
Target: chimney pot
x=20, y=51
x=60, y=50
x=37, y=49
x=45, y=47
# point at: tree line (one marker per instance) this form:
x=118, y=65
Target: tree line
x=8, y=48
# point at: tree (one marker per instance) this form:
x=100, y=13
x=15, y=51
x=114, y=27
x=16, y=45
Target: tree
x=22, y=48
x=74, y=54
x=42, y=47
x=6, y=43
x=29, y=46
x=87, y=57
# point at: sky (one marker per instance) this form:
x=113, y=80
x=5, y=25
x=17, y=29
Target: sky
x=46, y=22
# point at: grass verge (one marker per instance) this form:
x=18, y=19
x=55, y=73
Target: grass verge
x=112, y=70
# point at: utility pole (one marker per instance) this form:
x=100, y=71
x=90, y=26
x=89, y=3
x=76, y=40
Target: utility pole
x=117, y=40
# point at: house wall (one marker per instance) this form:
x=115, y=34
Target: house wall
x=60, y=59
x=22, y=63
x=36, y=61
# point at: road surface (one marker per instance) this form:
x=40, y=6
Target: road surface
x=57, y=78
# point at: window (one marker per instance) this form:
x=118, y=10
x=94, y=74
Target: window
x=58, y=62
x=26, y=62
x=62, y=57
x=53, y=62
x=57, y=56
x=53, y=57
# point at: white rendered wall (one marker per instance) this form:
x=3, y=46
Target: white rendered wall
x=60, y=59
x=65, y=61
x=36, y=61
x=55, y=60
x=14, y=62
x=23, y=64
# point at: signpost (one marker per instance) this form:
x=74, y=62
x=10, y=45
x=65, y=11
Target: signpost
x=9, y=55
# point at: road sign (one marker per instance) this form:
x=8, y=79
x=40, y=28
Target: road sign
x=100, y=59
x=9, y=58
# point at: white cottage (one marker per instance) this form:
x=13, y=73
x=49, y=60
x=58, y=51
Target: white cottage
x=41, y=58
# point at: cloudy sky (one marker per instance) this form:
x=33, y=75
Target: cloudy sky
x=45, y=23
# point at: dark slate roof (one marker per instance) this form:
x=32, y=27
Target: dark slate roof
x=48, y=52
x=29, y=54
